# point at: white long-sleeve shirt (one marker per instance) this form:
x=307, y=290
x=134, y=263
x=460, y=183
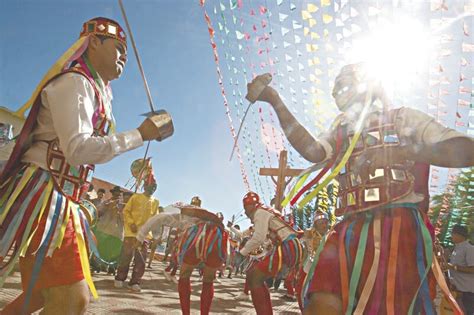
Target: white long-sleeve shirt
x=261, y=220
x=68, y=105
x=156, y=223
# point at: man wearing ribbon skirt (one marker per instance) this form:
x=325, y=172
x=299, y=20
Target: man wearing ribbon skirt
x=379, y=259
x=286, y=250
x=203, y=240
x=70, y=127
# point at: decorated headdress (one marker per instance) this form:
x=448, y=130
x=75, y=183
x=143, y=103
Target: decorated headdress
x=251, y=199
x=347, y=80
x=104, y=27
x=96, y=26
x=320, y=215
x=196, y=201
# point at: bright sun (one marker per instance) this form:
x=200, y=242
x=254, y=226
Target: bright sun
x=395, y=53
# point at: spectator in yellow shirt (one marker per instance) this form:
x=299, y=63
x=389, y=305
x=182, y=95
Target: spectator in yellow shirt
x=137, y=211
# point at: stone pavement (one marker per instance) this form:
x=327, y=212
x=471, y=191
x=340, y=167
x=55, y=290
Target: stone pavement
x=161, y=297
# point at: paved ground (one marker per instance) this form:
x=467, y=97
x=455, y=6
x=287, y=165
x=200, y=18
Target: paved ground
x=161, y=297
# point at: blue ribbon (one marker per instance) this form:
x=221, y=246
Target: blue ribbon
x=41, y=254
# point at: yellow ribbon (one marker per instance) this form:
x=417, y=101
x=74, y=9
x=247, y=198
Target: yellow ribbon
x=54, y=70
x=47, y=194
x=82, y=249
x=295, y=188
x=19, y=188
x=346, y=156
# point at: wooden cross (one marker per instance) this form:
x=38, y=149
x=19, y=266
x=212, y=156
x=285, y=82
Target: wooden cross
x=281, y=173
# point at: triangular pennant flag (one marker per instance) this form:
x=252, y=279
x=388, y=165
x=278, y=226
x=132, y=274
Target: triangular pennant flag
x=344, y=16
x=312, y=8
x=464, y=90
x=317, y=71
x=311, y=47
x=263, y=10
x=282, y=17
x=264, y=23
x=297, y=39
x=227, y=31
x=279, y=2
x=354, y=12
x=325, y=3
x=305, y=15
x=291, y=79
x=305, y=31
x=462, y=77
x=315, y=35
x=312, y=22
x=240, y=47
x=294, y=100
x=221, y=27
x=465, y=28
x=286, y=44
x=330, y=60
x=300, y=66
x=222, y=6
x=339, y=22
x=239, y=35
x=336, y=7
x=325, y=32
x=284, y=31
x=444, y=81
x=464, y=62
x=462, y=102
x=466, y=47
x=304, y=91
x=298, y=53
x=292, y=6
x=296, y=25
x=288, y=57
x=327, y=18
x=339, y=36
x=292, y=91
x=443, y=92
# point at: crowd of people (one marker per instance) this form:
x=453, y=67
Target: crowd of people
x=378, y=259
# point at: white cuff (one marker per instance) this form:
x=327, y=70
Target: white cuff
x=126, y=141
x=327, y=148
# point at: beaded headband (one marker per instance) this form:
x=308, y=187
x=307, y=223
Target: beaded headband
x=104, y=27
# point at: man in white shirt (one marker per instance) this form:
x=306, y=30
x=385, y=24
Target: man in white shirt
x=286, y=250
x=461, y=267
x=371, y=149
x=69, y=128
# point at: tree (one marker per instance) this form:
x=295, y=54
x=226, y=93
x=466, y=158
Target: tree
x=454, y=206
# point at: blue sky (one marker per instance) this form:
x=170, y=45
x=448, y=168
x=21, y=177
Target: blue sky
x=173, y=42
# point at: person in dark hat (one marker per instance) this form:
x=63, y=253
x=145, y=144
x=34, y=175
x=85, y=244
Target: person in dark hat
x=461, y=267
